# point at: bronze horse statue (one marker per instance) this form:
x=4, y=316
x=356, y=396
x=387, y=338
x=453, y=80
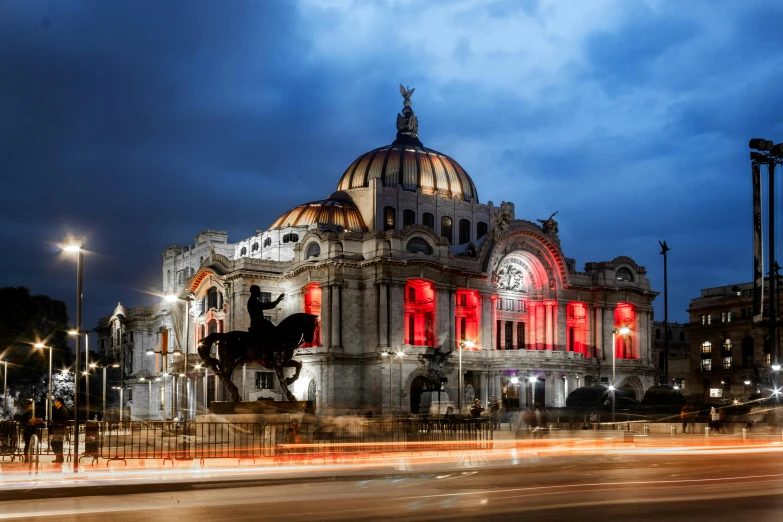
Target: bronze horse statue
x=274, y=351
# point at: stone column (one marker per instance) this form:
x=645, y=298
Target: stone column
x=540, y=325
x=560, y=326
x=326, y=316
x=549, y=326
x=549, y=390
x=484, y=339
x=599, y=332
x=530, y=331
x=397, y=314
x=483, y=390
x=336, y=294
x=383, y=315
x=452, y=297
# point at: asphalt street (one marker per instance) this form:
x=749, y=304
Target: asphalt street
x=639, y=487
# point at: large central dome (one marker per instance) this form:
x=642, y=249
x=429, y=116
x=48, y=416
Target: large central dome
x=408, y=163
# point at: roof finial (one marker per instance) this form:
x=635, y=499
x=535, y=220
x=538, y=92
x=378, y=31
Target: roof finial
x=407, y=123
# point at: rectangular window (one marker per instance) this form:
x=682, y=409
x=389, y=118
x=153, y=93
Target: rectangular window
x=727, y=363
x=499, y=304
x=411, y=294
x=709, y=318
x=706, y=347
x=571, y=339
x=265, y=297
x=727, y=345
x=130, y=337
x=264, y=380
x=463, y=299
x=706, y=365
x=723, y=317
x=497, y=335
x=703, y=319
x=509, y=335
x=520, y=306
x=767, y=359
x=161, y=397
x=520, y=336
x=728, y=317
x=463, y=328
x=412, y=329
x=510, y=304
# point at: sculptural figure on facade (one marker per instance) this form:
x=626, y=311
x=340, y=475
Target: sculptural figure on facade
x=266, y=344
x=470, y=394
x=501, y=219
x=549, y=225
x=436, y=366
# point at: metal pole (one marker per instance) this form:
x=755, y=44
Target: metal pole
x=205, y=385
x=149, y=399
x=772, y=303
x=5, y=389
x=50, y=399
x=400, y=358
x=244, y=367
x=187, y=359
x=87, y=372
x=614, y=361
x=664, y=251
x=103, y=410
x=459, y=382
x=78, y=362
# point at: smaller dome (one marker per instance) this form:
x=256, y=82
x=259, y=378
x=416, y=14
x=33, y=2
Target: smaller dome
x=325, y=212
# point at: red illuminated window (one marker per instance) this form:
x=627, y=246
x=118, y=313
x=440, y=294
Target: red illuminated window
x=467, y=315
x=624, y=345
x=576, y=329
x=312, y=305
x=419, y=313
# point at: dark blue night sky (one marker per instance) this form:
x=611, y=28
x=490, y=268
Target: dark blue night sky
x=139, y=123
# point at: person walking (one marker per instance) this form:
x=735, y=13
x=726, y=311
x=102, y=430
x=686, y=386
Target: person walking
x=494, y=414
x=714, y=418
x=476, y=409
x=60, y=417
x=684, y=418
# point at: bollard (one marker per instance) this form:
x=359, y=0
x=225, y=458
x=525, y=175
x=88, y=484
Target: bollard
x=706, y=431
x=646, y=430
x=744, y=433
x=673, y=430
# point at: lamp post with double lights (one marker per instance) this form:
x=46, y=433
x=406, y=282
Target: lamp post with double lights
x=94, y=366
x=76, y=246
x=462, y=346
x=152, y=351
x=622, y=331
x=41, y=346
x=173, y=298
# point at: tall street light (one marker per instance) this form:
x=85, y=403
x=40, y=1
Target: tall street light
x=77, y=247
x=173, y=298
x=622, y=331
x=87, y=366
x=462, y=346
x=664, y=250
x=386, y=354
x=164, y=354
x=5, y=388
x=400, y=354
x=532, y=380
x=49, y=401
x=103, y=367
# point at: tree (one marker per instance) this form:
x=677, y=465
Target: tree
x=26, y=319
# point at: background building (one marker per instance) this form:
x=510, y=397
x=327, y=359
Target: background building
x=402, y=258
x=679, y=353
x=726, y=348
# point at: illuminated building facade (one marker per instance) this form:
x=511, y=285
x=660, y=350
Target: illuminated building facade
x=402, y=258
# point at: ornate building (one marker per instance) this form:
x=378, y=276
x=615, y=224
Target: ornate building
x=401, y=260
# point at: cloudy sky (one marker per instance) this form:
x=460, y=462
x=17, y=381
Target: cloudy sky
x=139, y=123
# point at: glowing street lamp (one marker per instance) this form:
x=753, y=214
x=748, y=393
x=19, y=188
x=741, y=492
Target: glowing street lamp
x=624, y=330
x=41, y=346
x=532, y=380
x=462, y=345
x=172, y=298
x=77, y=247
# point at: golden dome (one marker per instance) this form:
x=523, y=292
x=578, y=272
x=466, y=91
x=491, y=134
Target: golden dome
x=325, y=212
x=413, y=167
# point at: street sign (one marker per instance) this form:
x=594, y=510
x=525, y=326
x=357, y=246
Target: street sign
x=716, y=392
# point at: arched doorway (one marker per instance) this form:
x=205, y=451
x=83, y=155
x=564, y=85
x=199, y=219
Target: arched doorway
x=634, y=385
x=418, y=387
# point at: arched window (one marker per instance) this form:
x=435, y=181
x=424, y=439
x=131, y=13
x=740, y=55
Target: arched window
x=624, y=274
x=625, y=317
x=389, y=218
x=418, y=246
x=464, y=231
x=213, y=298
x=312, y=305
x=290, y=238
x=481, y=229
x=267, y=242
x=313, y=250
x=467, y=310
x=255, y=247
x=428, y=220
x=243, y=251
x=445, y=228
x=408, y=217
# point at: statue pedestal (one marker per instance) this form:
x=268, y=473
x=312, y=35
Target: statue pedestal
x=436, y=408
x=257, y=412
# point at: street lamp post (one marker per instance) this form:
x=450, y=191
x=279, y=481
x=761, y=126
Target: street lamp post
x=462, y=346
x=5, y=389
x=664, y=250
x=385, y=354
x=532, y=380
x=400, y=354
x=173, y=298
x=49, y=395
x=76, y=246
x=622, y=331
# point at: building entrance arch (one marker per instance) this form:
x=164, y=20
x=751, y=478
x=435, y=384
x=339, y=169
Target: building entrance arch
x=635, y=385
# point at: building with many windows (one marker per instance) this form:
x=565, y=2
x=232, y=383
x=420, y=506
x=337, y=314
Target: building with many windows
x=401, y=259
x=730, y=356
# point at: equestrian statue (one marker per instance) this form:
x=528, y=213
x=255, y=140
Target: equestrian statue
x=264, y=343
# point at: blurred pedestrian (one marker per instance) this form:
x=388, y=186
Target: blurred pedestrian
x=29, y=424
x=476, y=409
x=494, y=414
x=714, y=418
x=684, y=418
x=292, y=434
x=60, y=418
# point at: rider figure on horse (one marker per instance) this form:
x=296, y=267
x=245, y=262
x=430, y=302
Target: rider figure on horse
x=260, y=326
